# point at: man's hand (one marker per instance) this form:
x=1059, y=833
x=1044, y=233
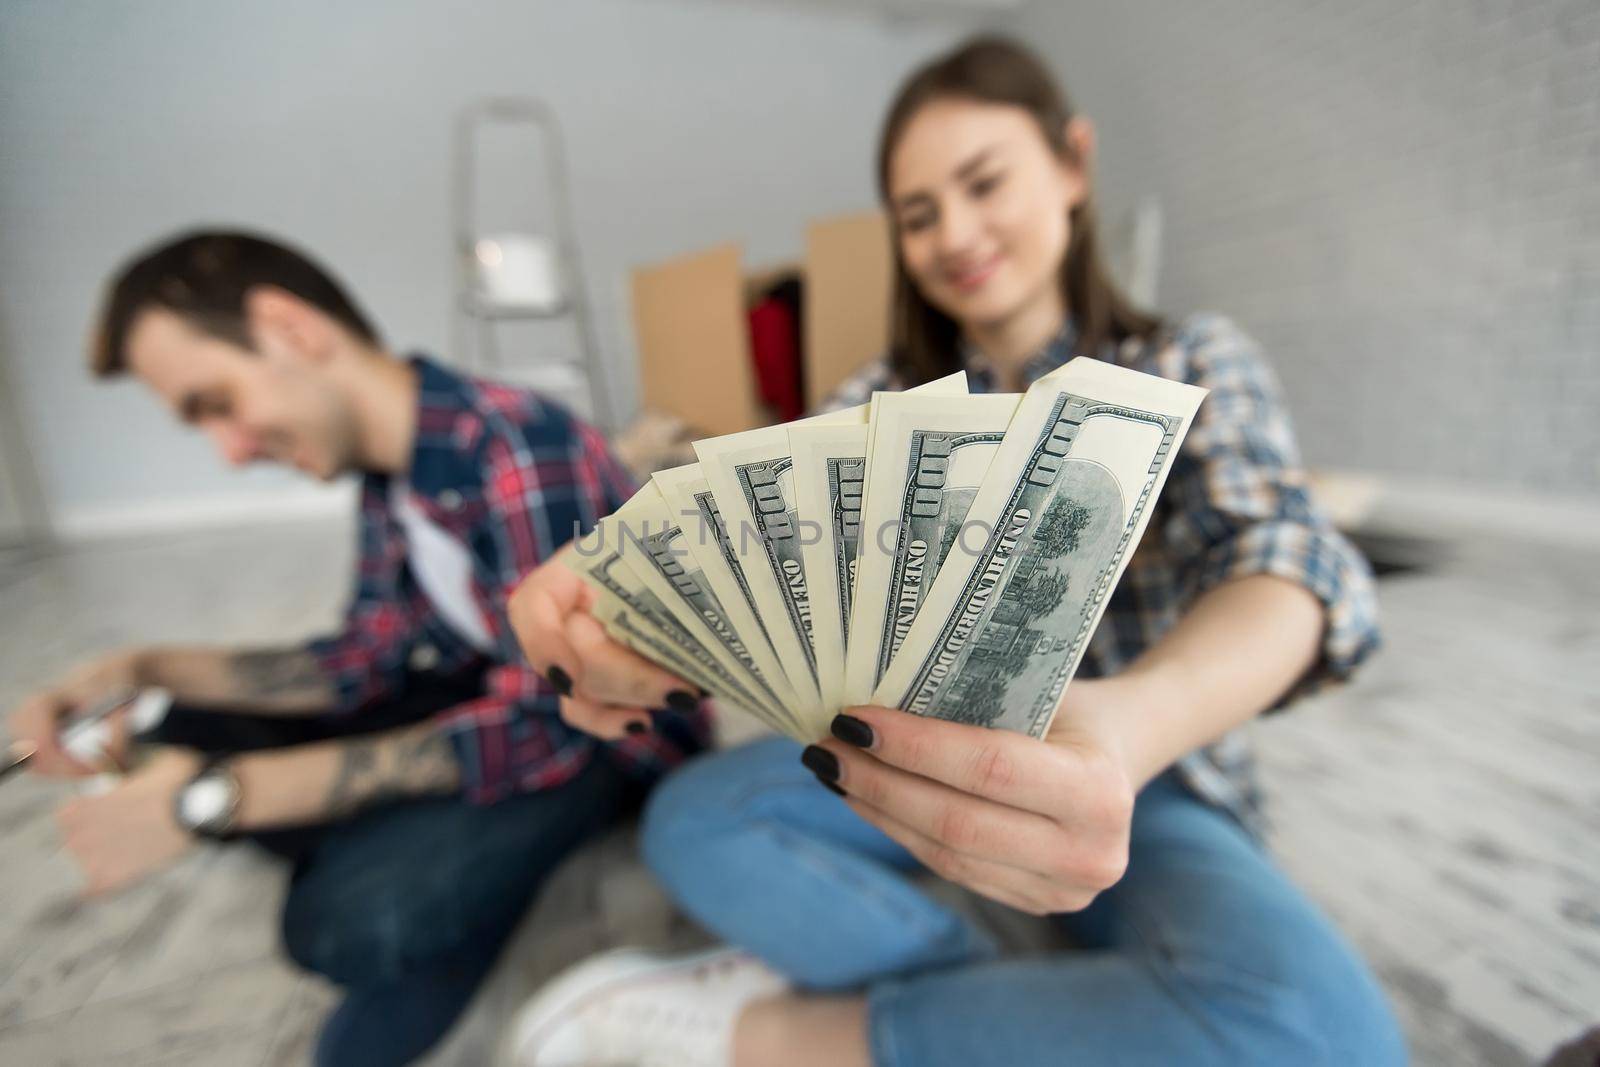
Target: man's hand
x=38, y=719
x=606, y=689
x=130, y=832
x=1040, y=825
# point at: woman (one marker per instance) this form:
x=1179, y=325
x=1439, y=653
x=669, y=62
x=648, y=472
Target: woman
x=1129, y=824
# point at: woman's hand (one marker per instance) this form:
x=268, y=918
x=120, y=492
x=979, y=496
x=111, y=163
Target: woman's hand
x=1040, y=825
x=606, y=689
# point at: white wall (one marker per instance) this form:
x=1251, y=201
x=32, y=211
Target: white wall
x=19, y=521
x=1400, y=198
x=687, y=123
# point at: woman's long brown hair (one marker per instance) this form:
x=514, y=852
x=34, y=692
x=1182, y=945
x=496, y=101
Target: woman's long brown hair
x=925, y=342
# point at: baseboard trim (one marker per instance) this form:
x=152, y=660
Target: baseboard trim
x=1420, y=506
x=1358, y=499
x=186, y=514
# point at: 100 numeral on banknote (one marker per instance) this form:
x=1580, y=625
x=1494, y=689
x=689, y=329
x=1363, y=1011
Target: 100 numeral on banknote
x=1066, y=500
x=846, y=477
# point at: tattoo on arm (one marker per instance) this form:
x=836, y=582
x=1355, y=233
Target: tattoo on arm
x=375, y=770
x=286, y=681
x=288, y=678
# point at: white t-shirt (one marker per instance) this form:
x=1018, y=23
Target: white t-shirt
x=442, y=566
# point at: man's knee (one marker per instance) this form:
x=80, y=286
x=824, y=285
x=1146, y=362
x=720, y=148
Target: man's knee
x=354, y=939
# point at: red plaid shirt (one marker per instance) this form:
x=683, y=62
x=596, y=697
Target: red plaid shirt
x=513, y=477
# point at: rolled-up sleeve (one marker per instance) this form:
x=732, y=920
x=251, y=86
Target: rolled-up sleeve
x=1241, y=504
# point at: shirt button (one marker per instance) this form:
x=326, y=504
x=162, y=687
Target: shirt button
x=423, y=658
x=450, y=500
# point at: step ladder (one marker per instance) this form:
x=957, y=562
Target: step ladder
x=523, y=274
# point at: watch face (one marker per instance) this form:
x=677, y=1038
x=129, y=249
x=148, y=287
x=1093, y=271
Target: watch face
x=204, y=801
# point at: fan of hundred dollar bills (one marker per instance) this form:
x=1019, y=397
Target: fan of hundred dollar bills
x=945, y=553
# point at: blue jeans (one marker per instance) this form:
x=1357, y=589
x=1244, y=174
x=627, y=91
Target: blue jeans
x=1203, y=953
x=407, y=905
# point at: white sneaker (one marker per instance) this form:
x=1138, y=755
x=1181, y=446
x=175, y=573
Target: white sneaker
x=631, y=1008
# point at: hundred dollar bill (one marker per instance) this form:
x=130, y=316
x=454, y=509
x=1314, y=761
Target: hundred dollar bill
x=752, y=478
x=929, y=455
x=596, y=559
x=830, y=464
x=689, y=500
x=1053, y=525
x=654, y=545
x=631, y=630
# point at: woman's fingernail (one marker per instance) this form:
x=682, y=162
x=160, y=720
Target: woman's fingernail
x=851, y=730
x=636, y=727
x=560, y=679
x=821, y=762
x=835, y=788
x=682, y=701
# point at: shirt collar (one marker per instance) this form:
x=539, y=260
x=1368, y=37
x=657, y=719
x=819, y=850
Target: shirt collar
x=446, y=477
x=1052, y=354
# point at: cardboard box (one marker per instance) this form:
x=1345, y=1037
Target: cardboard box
x=689, y=317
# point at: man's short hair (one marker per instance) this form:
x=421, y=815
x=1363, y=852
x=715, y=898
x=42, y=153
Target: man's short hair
x=203, y=278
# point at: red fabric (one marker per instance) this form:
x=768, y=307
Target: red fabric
x=775, y=352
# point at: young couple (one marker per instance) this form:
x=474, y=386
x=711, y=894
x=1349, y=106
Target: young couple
x=424, y=773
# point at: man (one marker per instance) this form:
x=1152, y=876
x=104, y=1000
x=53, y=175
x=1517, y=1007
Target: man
x=413, y=767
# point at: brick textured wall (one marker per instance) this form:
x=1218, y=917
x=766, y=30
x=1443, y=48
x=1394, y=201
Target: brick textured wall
x=1399, y=198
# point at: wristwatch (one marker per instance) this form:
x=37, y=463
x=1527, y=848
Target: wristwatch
x=208, y=803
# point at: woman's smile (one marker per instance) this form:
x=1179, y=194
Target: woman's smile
x=969, y=277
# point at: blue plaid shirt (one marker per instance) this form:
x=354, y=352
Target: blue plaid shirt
x=1236, y=503
x=511, y=475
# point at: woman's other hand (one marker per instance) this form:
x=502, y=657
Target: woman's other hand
x=1041, y=826
x=606, y=689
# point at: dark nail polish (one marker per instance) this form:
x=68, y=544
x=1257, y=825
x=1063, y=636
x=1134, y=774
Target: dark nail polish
x=560, y=679
x=821, y=762
x=682, y=701
x=835, y=788
x=637, y=727
x=851, y=730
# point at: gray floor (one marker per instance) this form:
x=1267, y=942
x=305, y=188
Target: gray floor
x=1445, y=808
